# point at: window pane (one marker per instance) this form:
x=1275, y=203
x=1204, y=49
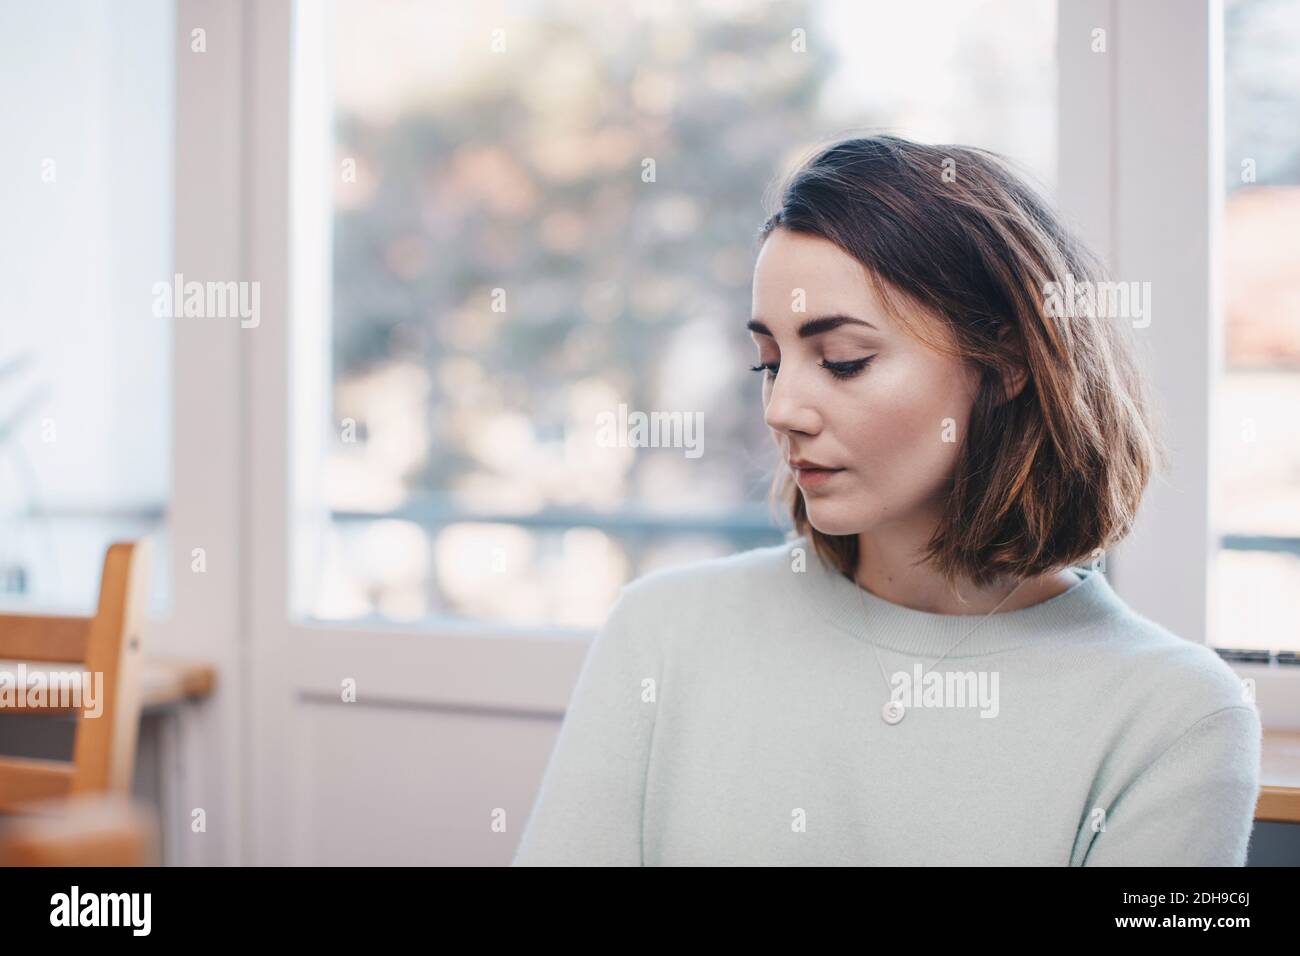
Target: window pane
x=545, y=213
x=1256, y=576
x=85, y=396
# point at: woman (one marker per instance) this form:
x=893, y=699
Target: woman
x=934, y=668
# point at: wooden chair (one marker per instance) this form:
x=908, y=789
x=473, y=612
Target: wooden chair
x=109, y=644
x=93, y=829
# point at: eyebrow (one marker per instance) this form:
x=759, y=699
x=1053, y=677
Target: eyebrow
x=812, y=327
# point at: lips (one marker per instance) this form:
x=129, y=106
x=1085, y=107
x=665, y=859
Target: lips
x=814, y=477
x=802, y=464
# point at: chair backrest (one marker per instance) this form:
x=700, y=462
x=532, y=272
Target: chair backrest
x=108, y=648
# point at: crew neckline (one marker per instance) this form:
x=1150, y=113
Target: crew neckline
x=889, y=626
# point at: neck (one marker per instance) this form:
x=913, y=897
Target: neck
x=890, y=567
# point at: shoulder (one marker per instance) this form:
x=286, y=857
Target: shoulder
x=1170, y=683
x=707, y=579
x=1168, y=718
x=1190, y=674
x=688, y=595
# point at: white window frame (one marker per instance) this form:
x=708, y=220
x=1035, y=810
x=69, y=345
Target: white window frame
x=208, y=619
x=1145, y=184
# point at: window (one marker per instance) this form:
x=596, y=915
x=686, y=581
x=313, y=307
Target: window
x=85, y=384
x=542, y=214
x=1257, y=490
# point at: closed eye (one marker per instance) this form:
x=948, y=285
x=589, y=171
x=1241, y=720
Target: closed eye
x=847, y=369
x=840, y=370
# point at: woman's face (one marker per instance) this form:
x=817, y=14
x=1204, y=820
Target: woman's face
x=845, y=387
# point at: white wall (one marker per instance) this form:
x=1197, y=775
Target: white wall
x=89, y=85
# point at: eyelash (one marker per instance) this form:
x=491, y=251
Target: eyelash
x=840, y=370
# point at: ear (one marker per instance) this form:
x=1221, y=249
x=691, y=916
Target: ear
x=1015, y=374
x=1013, y=381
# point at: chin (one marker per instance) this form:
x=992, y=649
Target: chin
x=833, y=518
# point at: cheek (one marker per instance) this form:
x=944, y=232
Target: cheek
x=909, y=425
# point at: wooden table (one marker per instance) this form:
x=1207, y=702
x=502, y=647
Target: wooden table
x=168, y=680
x=1279, y=778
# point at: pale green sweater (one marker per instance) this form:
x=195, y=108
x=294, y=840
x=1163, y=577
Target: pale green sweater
x=729, y=713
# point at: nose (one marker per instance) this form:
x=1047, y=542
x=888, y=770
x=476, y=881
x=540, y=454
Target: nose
x=790, y=407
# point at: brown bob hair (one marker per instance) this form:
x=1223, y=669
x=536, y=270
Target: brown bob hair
x=1050, y=477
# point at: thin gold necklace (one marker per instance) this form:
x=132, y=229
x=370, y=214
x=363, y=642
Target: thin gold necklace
x=893, y=710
